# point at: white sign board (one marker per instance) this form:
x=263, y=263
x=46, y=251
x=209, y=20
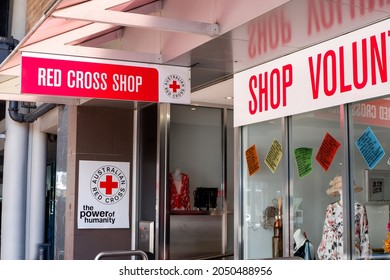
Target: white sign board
x=349, y=68
x=103, y=197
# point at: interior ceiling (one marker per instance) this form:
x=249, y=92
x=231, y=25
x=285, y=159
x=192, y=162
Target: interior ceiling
x=216, y=38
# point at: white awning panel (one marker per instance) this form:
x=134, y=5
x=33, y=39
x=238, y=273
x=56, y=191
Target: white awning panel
x=138, y=30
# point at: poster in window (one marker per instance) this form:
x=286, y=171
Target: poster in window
x=103, y=195
x=376, y=189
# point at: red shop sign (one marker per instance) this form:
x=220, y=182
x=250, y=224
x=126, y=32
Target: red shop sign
x=93, y=78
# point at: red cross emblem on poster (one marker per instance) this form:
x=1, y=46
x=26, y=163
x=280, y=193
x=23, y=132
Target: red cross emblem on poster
x=108, y=185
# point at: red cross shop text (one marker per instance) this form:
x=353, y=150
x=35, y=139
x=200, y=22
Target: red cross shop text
x=56, y=75
x=89, y=79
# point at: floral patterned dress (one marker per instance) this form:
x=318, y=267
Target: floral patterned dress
x=331, y=246
x=179, y=200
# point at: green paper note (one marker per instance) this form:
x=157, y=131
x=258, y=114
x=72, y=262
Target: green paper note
x=303, y=159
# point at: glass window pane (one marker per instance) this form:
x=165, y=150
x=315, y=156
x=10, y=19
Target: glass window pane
x=196, y=149
x=315, y=133
x=371, y=131
x=261, y=190
x=201, y=229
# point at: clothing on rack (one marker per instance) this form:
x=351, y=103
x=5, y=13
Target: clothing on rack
x=179, y=194
x=331, y=246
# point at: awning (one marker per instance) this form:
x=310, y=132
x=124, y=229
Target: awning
x=145, y=31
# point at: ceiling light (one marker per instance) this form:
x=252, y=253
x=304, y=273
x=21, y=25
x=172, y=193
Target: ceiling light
x=229, y=97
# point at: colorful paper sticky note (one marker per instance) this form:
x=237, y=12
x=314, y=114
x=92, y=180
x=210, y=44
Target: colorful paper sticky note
x=327, y=151
x=303, y=159
x=370, y=148
x=252, y=160
x=274, y=156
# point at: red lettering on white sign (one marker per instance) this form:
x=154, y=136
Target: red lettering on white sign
x=269, y=89
x=327, y=71
x=346, y=69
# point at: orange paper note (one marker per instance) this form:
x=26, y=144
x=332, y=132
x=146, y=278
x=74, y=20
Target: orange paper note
x=252, y=160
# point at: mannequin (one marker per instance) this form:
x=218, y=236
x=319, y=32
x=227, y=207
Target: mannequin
x=331, y=246
x=302, y=246
x=178, y=183
x=177, y=178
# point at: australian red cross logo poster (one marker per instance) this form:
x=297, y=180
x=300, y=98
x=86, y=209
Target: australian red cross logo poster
x=103, y=197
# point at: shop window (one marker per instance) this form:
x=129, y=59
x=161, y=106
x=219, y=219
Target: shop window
x=200, y=182
x=316, y=160
x=262, y=185
x=371, y=134
x=195, y=161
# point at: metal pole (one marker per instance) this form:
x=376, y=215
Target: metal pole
x=14, y=191
x=162, y=218
x=37, y=190
x=135, y=197
x=18, y=18
x=119, y=253
x=348, y=191
x=238, y=196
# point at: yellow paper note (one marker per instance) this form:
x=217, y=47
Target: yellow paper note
x=274, y=156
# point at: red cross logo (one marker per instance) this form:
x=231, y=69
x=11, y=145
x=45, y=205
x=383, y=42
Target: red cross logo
x=174, y=86
x=108, y=184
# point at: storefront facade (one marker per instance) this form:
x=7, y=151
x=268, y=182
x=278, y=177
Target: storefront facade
x=313, y=150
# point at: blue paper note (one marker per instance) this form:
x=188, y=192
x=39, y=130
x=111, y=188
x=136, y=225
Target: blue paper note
x=370, y=148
